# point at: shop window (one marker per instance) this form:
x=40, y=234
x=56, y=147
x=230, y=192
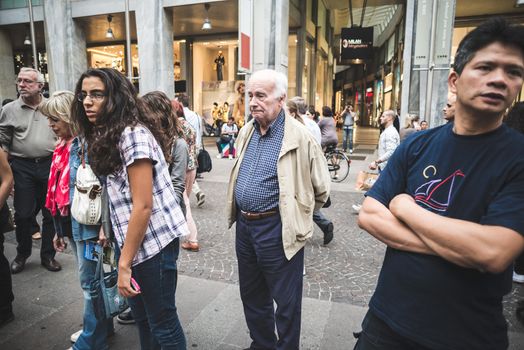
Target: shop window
x=14, y=4
x=111, y=56
x=25, y=59
x=214, y=77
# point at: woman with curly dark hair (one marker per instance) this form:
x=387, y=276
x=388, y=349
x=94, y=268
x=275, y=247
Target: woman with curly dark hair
x=159, y=107
x=129, y=148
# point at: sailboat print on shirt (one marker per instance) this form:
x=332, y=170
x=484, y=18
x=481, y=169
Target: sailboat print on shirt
x=436, y=194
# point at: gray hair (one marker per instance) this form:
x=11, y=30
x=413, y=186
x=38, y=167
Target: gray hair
x=39, y=76
x=301, y=104
x=279, y=80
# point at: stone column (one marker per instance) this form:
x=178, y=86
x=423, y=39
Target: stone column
x=65, y=44
x=231, y=67
x=155, y=41
x=270, y=35
x=7, y=67
x=427, y=58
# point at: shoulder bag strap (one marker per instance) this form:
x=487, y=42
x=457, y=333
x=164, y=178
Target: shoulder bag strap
x=100, y=267
x=82, y=153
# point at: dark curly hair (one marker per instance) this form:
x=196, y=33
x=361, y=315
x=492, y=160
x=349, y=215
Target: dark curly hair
x=121, y=108
x=159, y=107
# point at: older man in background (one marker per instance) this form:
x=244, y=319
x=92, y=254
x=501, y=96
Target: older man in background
x=26, y=135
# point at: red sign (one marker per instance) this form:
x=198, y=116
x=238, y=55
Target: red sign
x=245, y=54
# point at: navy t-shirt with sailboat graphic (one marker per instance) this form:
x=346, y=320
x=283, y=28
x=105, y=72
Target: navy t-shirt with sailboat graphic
x=476, y=178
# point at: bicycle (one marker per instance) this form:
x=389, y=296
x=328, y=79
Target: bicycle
x=338, y=163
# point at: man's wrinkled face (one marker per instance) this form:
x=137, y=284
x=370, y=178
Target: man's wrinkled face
x=263, y=104
x=490, y=82
x=27, y=84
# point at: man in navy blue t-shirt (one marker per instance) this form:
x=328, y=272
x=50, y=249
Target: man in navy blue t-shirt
x=450, y=207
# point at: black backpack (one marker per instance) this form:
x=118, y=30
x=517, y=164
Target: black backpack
x=204, y=161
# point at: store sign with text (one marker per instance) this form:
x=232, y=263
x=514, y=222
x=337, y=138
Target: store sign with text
x=356, y=43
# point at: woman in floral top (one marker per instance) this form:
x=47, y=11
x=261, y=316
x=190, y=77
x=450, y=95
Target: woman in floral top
x=191, y=243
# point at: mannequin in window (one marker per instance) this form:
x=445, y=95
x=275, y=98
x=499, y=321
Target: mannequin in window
x=239, y=107
x=219, y=63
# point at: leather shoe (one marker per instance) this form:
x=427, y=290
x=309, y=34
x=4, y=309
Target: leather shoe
x=52, y=265
x=328, y=235
x=18, y=264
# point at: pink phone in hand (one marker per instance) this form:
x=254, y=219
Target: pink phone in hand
x=135, y=285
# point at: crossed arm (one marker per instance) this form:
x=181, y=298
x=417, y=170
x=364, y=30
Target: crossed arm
x=409, y=227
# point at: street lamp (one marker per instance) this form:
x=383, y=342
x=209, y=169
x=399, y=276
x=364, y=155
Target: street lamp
x=109, y=33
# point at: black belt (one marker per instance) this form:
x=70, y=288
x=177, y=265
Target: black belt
x=258, y=215
x=34, y=160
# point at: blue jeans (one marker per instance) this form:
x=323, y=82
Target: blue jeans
x=94, y=334
x=347, y=133
x=320, y=219
x=154, y=308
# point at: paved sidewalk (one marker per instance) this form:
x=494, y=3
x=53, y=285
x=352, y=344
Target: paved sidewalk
x=48, y=309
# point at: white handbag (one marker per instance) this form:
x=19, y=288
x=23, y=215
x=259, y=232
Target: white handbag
x=87, y=203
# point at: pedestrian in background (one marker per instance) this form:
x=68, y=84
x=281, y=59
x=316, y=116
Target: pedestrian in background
x=196, y=123
x=191, y=241
x=349, y=118
x=328, y=128
x=279, y=179
x=297, y=109
x=26, y=135
x=6, y=287
x=411, y=126
x=160, y=108
x=129, y=148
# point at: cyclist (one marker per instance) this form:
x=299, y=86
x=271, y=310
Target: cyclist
x=328, y=128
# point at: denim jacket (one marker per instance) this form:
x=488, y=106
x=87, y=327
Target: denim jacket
x=80, y=232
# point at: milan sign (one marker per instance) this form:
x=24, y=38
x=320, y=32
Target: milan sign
x=356, y=43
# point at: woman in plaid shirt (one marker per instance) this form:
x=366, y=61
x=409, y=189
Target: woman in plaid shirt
x=129, y=147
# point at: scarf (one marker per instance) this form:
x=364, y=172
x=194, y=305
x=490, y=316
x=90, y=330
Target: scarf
x=58, y=185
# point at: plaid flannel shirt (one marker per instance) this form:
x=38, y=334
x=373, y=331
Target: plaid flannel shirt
x=167, y=221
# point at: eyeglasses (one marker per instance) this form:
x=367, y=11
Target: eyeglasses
x=96, y=96
x=25, y=81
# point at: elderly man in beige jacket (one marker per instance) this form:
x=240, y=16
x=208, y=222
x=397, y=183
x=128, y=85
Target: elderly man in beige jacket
x=278, y=180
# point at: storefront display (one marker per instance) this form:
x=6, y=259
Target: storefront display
x=378, y=108
x=112, y=56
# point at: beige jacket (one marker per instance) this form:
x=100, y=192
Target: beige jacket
x=303, y=178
